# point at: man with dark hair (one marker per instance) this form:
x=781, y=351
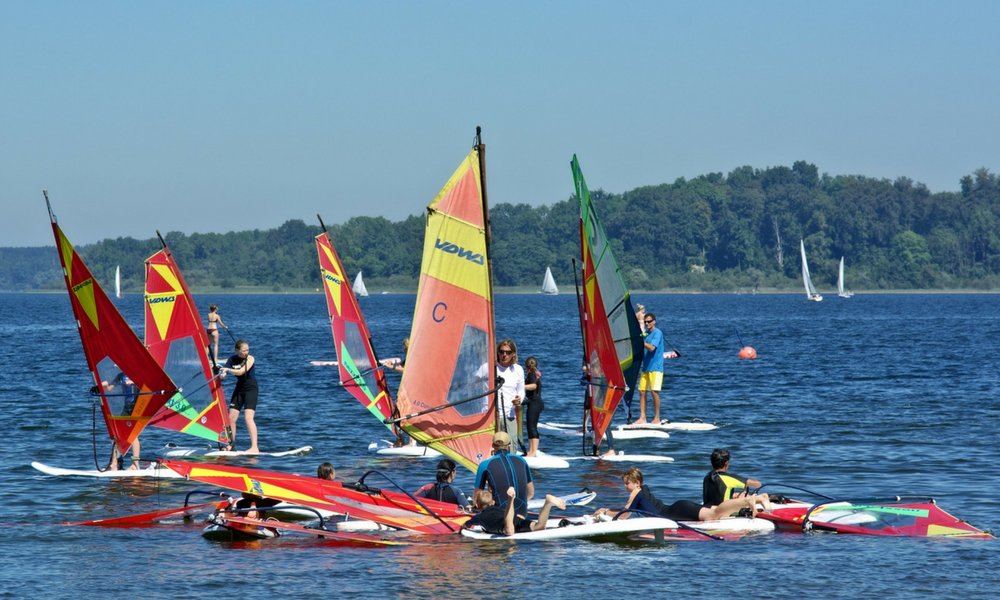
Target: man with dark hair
x=721, y=485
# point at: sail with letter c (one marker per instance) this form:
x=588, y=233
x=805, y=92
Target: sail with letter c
x=132, y=385
x=612, y=334
x=451, y=365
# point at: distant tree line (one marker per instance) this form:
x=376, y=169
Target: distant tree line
x=712, y=233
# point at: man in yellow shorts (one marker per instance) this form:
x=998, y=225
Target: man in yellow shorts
x=651, y=378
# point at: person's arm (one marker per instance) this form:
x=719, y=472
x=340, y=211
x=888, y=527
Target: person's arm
x=754, y=483
x=244, y=368
x=529, y=382
x=219, y=319
x=508, y=516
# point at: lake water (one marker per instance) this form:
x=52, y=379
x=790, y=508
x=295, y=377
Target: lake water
x=877, y=395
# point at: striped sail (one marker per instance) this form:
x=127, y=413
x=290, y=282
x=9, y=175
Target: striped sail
x=359, y=368
x=132, y=384
x=612, y=336
x=452, y=353
x=177, y=340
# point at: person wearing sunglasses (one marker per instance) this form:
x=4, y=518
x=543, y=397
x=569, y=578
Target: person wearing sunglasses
x=512, y=390
x=651, y=377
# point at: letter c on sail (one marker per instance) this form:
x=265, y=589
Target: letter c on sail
x=434, y=312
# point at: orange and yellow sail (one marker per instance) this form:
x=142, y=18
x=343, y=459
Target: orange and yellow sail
x=360, y=373
x=452, y=355
x=132, y=385
x=177, y=340
x=612, y=336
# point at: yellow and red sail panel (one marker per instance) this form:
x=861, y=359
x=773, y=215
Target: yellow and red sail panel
x=177, y=340
x=359, y=369
x=612, y=334
x=920, y=517
x=452, y=353
x=394, y=509
x=132, y=384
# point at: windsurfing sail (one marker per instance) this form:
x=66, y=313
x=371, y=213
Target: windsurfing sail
x=360, y=373
x=132, y=385
x=612, y=335
x=811, y=293
x=359, y=287
x=447, y=397
x=176, y=338
x=549, y=283
x=118, y=282
x=893, y=516
x=394, y=509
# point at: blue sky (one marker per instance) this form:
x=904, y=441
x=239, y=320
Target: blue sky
x=221, y=116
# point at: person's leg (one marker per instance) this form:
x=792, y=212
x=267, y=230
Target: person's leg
x=642, y=403
x=251, y=429
x=543, y=515
x=234, y=415
x=656, y=406
x=135, y=454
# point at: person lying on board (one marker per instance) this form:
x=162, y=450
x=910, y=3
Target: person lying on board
x=641, y=499
x=444, y=489
x=505, y=470
x=326, y=471
x=721, y=485
x=502, y=520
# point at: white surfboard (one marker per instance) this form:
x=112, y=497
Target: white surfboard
x=622, y=528
x=172, y=451
x=622, y=457
x=667, y=424
x=619, y=433
x=150, y=472
x=385, y=448
x=323, y=363
x=546, y=461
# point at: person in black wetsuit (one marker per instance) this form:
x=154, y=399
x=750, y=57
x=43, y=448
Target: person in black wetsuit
x=505, y=470
x=501, y=520
x=244, y=395
x=642, y=499
x=720, y=485
x=444, y=489
x=533, y=398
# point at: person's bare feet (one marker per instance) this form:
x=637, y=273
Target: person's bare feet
x=640, y=422
x=555, y=501
x=253, y=450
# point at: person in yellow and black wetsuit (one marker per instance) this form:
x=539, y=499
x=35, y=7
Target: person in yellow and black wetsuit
x=721, y=485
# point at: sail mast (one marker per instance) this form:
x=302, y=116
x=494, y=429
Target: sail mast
x=481, y=151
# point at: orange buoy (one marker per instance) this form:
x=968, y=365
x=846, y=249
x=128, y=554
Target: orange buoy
x=748, y=352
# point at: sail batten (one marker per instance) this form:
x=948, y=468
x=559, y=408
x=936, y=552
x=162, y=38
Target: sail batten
x=612, y=336
x=452, y=341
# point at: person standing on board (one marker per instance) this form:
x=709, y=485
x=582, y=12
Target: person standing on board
x=721, y=485
x=214, y=321
x=511, y=392
x=651, y=378
x=533, y=398
x=130, y=392
x=399, y=367
x=506, y=470
x=244, y=397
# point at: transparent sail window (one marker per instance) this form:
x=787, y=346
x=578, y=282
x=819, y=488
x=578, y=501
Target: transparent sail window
x=472, y=375
x=357, y=351
x=119, y=387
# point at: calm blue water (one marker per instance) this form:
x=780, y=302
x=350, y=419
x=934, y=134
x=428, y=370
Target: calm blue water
x=877, y=395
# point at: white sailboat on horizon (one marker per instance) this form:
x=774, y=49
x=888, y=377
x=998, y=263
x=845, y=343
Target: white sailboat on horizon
x=811, y=292
x=549, y=284
x=359, y=287
x=840, y=282
x=118, y=282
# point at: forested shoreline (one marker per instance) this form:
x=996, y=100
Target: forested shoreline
x=713, y=233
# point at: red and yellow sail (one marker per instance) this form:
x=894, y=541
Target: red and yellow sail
x=132, y=384
x=452, y=353
x=612, y=336
x=177, y=340
x=394, y=509
x=360, y=373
